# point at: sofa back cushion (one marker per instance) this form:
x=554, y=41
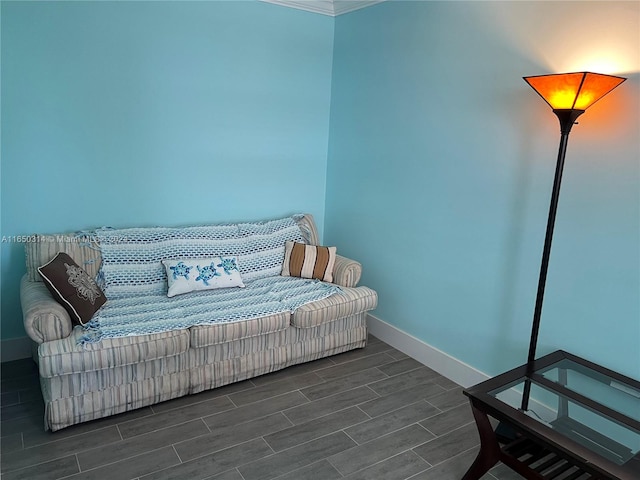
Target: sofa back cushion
x=132, y=257
x=82, y=247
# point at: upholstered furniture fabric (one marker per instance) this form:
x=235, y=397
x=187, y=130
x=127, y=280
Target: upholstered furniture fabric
x=346, y=272
x=45, y=319
x=348, y=302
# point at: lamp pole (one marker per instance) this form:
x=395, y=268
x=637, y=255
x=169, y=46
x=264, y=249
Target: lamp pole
x=567, y=118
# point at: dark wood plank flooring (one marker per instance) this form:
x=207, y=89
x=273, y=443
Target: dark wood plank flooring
x=373, y=413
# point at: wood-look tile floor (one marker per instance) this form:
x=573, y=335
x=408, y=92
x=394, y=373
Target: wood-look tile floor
x=372, y=413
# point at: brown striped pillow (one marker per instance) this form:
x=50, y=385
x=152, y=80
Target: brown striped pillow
x=308, y=261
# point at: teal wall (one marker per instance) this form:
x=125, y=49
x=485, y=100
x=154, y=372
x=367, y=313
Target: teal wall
x=441, y=163
x=158, y=113
x=405, y=128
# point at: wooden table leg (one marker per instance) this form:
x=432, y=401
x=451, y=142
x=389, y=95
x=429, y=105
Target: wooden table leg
x=489, y=447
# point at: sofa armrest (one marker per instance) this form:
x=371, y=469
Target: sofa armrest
x=346, y=272
x=44, y=318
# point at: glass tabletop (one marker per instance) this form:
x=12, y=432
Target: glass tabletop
x=588, y=406
x=617, y=395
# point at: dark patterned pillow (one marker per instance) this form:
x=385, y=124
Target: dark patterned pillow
x=70, y=285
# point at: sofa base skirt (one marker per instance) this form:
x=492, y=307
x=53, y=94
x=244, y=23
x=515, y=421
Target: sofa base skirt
x=208, y=376
x=206, y=368
x=64, y=412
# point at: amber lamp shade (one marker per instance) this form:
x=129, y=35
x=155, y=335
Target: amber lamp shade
x=573, y=91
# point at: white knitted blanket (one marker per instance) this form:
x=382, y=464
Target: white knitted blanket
x=135, y=281
x=131, y=257
x=146, y=314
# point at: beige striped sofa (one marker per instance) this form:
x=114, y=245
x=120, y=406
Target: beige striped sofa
x=83, y=382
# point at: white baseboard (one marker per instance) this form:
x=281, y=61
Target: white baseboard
x=443, y=363
x=446, y=365
x=15, y=349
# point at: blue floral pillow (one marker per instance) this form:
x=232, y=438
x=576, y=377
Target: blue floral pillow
x=184, y=276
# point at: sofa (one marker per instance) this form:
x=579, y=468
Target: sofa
x=129, y=355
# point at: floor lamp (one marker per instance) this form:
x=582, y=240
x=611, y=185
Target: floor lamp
x=569, y=95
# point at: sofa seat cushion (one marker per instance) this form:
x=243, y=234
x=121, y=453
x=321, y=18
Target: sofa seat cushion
x=149, y=314
x=65, y=356
x=207, y=335
x=349, y=301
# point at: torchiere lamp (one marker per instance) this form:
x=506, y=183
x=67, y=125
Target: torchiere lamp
x=569, y=95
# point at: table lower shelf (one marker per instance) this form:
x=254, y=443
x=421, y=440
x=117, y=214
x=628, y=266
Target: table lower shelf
x=536, y=462
x=531, y=457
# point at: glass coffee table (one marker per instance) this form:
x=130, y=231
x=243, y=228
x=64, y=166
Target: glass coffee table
x=570, y=419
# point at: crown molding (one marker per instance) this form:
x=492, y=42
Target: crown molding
x=326, y=7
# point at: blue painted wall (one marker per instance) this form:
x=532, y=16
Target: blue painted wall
x=441, y=163
x=438, y=170
x=158, y=113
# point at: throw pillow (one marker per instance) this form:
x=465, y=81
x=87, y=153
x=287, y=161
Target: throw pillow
x=72, y=287
x=308, y=261
x=184, y=276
